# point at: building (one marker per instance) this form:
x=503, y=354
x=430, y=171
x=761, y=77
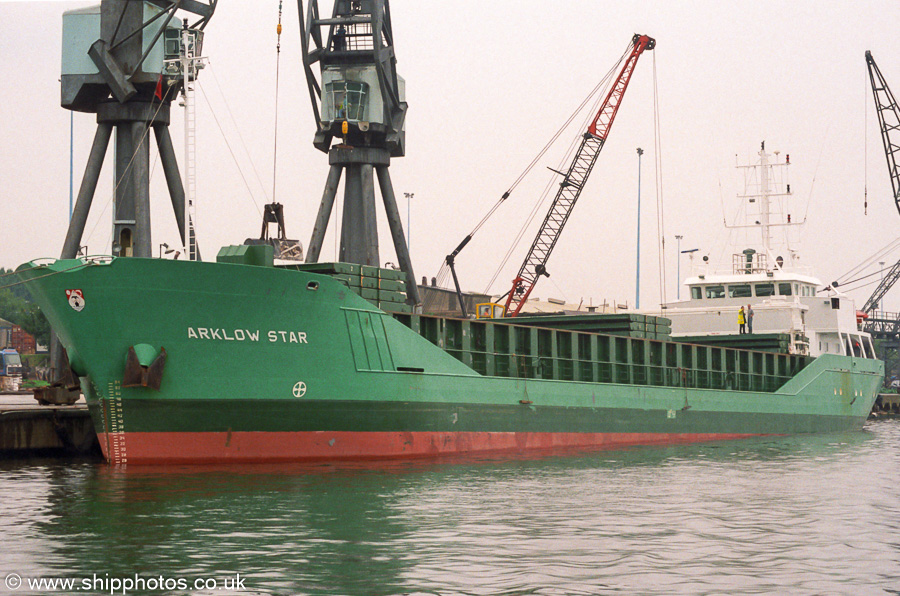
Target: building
x=13, y=336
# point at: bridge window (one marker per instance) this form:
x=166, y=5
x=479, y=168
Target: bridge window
x=765, y=289
x=741, y=291
x=696, y=293
x=715, y=291
x=784, y=289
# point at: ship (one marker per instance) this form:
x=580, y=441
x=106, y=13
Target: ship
x=266, y=363
x=258, y=358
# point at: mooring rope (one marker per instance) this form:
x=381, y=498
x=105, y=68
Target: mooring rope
x=25, y=281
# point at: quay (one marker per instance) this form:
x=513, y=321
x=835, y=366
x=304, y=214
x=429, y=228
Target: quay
x=886, y=404
x=29, y=429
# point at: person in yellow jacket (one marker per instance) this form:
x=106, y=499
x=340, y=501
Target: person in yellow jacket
x=741, y=321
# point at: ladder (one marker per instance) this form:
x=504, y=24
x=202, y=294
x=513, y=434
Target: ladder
x=189, y=65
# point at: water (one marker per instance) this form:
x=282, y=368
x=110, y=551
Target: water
x=810, y=515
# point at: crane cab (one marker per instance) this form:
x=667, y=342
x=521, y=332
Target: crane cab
x=489, y=310
x=353, y=94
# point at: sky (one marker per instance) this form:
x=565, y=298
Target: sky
x=488, y=84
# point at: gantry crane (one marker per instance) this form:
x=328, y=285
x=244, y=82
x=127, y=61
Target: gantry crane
x=129, y=76
x=889, y=121
x=574, y=179
x=359, y=99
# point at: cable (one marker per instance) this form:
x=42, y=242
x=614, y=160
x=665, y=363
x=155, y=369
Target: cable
x=230, y=150
x=275, y=135
x=660, y=214
x=812, y=183
x=240, y=136
x=561, y=292
x=25, y=281
x=12, y=272
x=845, y=289
x=552, y=140
x=862, y=278
x=521, y=233
x=567, y=157
x=872, y=259
x=603, y=83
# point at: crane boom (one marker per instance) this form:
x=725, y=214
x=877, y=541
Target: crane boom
x=535, y=263
x=889, y=121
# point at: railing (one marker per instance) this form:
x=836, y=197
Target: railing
x=707, y=270
x=759, y=263
x=883, y=323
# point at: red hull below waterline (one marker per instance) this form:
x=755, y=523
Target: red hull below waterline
x=220, y=447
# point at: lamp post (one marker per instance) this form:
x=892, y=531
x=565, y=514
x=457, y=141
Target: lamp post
x=165, y=250
x=881, y=306
x=690, y=252
x=409, y=196
x=678, y=238
x=637, y=283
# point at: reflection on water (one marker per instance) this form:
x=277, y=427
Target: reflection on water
x=783, y=515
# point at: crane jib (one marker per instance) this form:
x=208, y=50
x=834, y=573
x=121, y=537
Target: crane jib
x=535, y=263
x=889, y=122
x=606, y=114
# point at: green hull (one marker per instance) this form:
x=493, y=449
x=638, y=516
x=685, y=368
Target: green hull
x=265, y=364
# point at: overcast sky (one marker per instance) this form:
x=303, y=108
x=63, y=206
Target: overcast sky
x=488, y=83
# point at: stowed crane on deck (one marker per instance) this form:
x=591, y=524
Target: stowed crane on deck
x=889, y=121
x=535, y=263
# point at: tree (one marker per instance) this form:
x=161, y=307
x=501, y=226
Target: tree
x=17, y=307
x=9, y=280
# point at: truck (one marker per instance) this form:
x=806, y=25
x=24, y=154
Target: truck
x=10, y=370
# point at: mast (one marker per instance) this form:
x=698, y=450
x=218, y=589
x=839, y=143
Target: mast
x=764, y=182
x=189, y=63
x=764, y=199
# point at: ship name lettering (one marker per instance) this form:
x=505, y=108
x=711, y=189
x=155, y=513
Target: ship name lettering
x=222, y=334
x=288, y=337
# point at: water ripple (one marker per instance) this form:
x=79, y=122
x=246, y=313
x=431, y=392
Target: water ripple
x=799, y=515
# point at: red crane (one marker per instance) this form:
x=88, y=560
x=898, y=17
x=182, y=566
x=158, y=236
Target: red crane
x=535, y=263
